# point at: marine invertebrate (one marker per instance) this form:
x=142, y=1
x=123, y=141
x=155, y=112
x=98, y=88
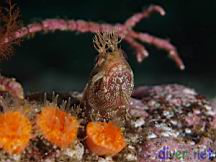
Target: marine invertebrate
x=104, y=138
x=9, y=23
x=125, y=31
x=111, y=81
x=57, y=126
x=15, y=132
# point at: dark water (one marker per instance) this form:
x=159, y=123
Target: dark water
x=62, y=60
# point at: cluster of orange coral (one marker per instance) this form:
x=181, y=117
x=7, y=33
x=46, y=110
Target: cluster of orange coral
x=59, y=128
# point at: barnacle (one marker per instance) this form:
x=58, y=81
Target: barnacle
x=111, y=82
x=57, y=126
x=15, y=132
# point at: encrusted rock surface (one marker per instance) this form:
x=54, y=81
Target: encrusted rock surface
x=176, y=119
x=170, y=123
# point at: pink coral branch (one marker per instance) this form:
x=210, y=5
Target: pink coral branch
x=133, y=20
x=141, y=52
x=160, y=43
x=124, y=30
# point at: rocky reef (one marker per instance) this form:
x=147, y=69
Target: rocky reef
x=167, y=123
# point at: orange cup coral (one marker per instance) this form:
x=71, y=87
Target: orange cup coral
x=15, y=132
x=57, y=126
x=104, y=138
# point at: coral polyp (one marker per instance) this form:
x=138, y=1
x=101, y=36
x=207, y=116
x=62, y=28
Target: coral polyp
x=104, y=138
x=15, y=132
x=57, y=126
